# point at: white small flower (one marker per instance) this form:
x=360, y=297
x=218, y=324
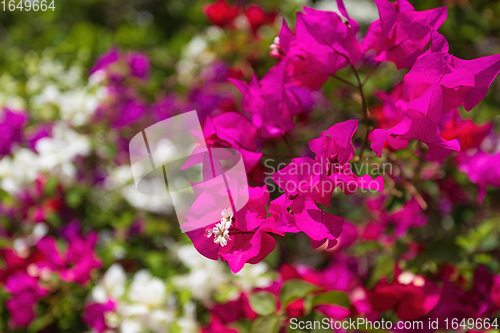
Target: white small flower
x=253, y=276
x=406, y=278
x=227, y=213
x=202, y=285
x=221, y=230
x=147, y=290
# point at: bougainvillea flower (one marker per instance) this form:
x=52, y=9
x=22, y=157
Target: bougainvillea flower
x=338, y=276
x=304, y=176
x=402, y=34
x=78, y=260
x=470, y=134
x=495, y=290
x=221, y=14
x=216, y=326
x=39, y=132
x=11, y=127
x=106, y=59
x=455, y=302
x=136, y=64
x=334, y=150
x=25, y=292
x=321, y=45
x=329, y=43
x=232, y=130
x=127, y=111
x=94, y=315
x=234, y=310
x=410, y=214
x=421, y=129
x=304, y=184
x=335, y=144
x=478, y=166
x=411, y=296
x=241, y=237
x=273, y=101
x=437, y=84
x=299, y=64
x=464, y=82
x=420, y=122
x=13, y=263
x=257, y=17
x=390, y=113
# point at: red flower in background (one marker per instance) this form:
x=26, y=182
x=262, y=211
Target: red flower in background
x=412, y=296
x=471, y=135
x=257, y=17
x=221, y=14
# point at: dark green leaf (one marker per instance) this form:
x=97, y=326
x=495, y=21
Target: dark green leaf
x=293, y=290
x=268, y=324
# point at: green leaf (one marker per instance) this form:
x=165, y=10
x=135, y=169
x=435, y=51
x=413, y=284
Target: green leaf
x=41, y=322
x=267, y=324
x=333, y=297
x=51, y=186
x=366, y=247
x=384, y=267
x=445, y=250
x=264, y=303
x=293, y=290
x=74, y=197
x=318, y=317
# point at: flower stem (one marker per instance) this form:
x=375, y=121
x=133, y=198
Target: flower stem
x=364, y=108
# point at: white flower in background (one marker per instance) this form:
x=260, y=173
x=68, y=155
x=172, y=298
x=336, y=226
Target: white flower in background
x=147, y=290
x=130, y=326
x=9, y=90
x=148, y=298
x=254, y=276
x=19, y=170
x=111, y=286
x=97, y=78
x=143, y=307
x=147, y=305
x=195, y=56
x=53, y=86
x=50, y=95
x=56, y=153
x=23, y=245
x=363, y=11
x=188, y=323
x=208, y=277
x=78, y=106
x=121, y=179
x=48, y=69
x=205, y=277
x=165, y=151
